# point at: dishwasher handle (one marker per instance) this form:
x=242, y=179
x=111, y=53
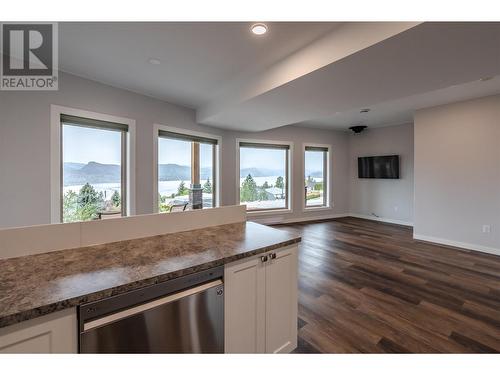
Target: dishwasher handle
x=99, y=322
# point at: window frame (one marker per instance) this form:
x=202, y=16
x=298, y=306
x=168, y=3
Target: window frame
x=289, y=177
x=56, y=166
x=327, y=165
x=216, y=157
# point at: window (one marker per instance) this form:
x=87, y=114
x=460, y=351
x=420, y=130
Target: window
x=186, y=163
x=264, y=176
x=93, y=168
x=316, y=176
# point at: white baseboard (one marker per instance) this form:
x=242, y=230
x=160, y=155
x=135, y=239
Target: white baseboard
x=463, y=245
x=442, y=241
x=382, y=219
x=282, y=220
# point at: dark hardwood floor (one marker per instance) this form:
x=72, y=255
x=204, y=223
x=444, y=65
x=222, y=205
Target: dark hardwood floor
x=368, y=287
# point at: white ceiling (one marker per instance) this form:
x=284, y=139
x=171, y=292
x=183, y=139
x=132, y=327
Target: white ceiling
x=401, y=111
x=310, y=74
x=422, y=59
x=197, y=58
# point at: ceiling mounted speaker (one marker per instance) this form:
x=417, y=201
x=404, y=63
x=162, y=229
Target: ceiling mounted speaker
x=358, y=128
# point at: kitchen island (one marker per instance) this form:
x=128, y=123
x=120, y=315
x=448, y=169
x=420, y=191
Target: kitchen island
x=55, y=283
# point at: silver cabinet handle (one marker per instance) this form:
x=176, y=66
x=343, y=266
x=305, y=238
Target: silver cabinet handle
x=263, y=258
x=272, y=255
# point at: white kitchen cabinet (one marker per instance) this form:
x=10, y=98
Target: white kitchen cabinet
x=244, y=306
x=261, y=303
x=281, y=301
x=52, y=333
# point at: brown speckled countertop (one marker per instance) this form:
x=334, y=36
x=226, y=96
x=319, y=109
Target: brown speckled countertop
x=36, y=285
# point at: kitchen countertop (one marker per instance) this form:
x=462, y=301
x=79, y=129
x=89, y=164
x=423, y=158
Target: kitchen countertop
x=35, y=285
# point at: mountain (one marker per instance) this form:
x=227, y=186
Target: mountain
x=314, y=173
x=259, y=172
x=102, y=171
x=73, y=166
x=95, y=173
x=92, y=172
x=176, y=172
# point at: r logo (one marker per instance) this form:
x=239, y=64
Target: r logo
x=27, y=49
x=29, y=59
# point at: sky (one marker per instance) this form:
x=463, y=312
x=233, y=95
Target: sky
x=313, y=161
x=171, y=151
x=275, y=159
x=82, y=145
x=263, y=158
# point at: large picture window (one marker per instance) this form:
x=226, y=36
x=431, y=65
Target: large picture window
x=185, y=162
x=93, y=167
x=316, y=176
x=264, y=176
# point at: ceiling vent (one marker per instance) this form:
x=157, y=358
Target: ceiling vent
x=358, y=128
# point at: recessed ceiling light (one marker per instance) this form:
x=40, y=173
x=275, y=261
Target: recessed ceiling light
x=154, y=61
x=365, y=110
x=259, y=29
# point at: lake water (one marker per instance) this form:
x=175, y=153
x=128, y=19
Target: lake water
x=165, y=187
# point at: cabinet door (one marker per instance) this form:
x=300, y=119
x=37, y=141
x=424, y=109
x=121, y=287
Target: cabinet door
x=281, y=301
x=244, y=306
x=52, y=333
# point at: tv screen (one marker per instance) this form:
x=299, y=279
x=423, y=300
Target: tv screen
x=378, y=166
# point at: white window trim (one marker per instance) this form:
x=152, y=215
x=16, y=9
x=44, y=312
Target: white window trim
x=264, y=212
x=156, y=129
x=56, y=157
x=329, y=200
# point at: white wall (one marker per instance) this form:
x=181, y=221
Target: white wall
x=457, y=173
x=37, y=239
x=25, y=142
x=25, y=147
x=391, y=200
x=457, y=159
x=338, y=172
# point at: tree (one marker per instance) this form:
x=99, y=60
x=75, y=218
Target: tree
x=182, y=189
x=279, y=183
x=318, y=186
x=207, y=187
x=115, y=199
x=88, y=195
x=248, y=191
x=262, y=195
x=89, y=202
x=70, y=207
x=266, y=185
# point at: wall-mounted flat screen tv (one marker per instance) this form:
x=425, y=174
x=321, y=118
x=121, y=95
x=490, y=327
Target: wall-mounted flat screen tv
x=378, y=166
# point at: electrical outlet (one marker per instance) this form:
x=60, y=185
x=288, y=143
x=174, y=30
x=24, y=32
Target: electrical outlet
x=486, y=228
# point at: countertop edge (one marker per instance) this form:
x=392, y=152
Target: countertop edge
x=39, y=311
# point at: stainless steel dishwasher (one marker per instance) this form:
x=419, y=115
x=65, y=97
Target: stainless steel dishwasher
x=182, y=315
